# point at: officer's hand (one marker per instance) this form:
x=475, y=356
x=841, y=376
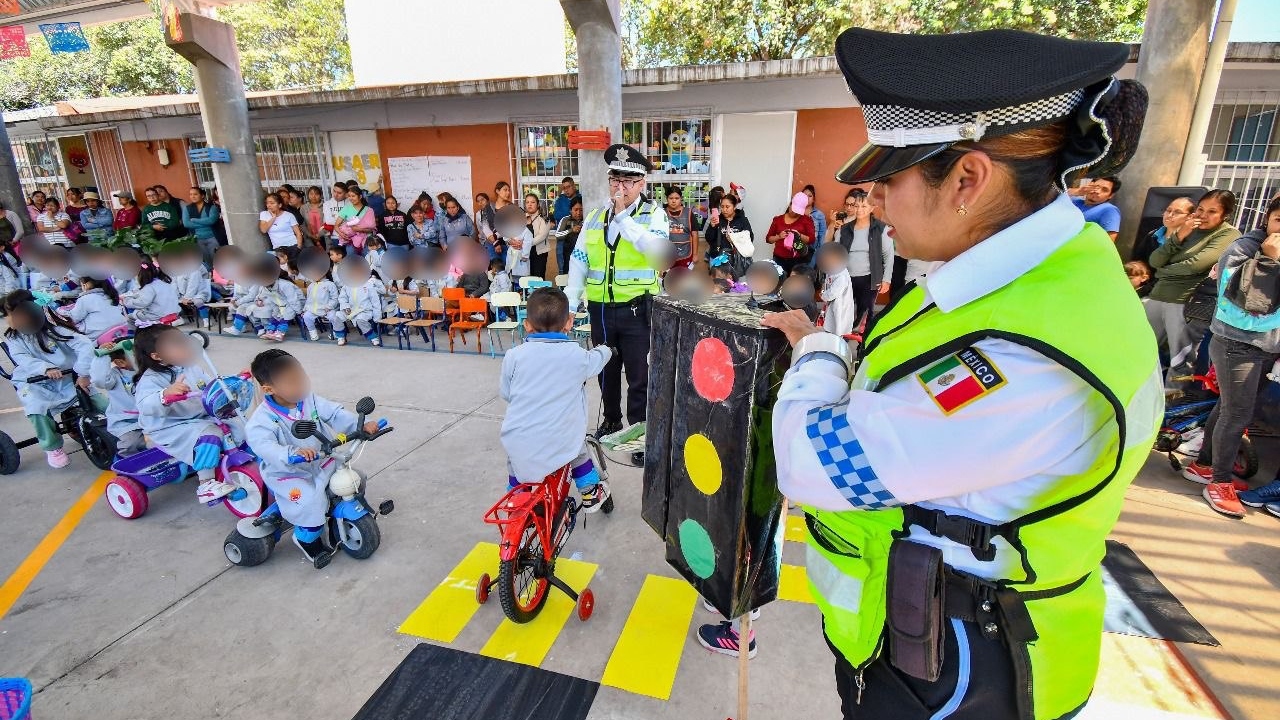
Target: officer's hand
x=793, y=323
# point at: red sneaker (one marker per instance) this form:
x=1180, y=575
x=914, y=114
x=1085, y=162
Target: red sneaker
x=1195, y=472
x=1222, y=498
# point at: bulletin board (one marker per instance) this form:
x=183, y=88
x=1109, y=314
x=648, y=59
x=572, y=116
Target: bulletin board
x=410, y=176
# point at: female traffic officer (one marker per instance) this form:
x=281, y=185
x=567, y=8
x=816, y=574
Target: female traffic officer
x=959, y=485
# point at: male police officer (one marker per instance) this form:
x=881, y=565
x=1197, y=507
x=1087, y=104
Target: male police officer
x=615, y=259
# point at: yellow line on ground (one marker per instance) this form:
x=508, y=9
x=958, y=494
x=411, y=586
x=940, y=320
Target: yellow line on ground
x=448, y=609
x=796, y=531
x=793, y=584
x=17, y=583
x=647, y=655
x=529, y=643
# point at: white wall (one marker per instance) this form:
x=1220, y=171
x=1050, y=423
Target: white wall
x=394, y=42
x=756, y=152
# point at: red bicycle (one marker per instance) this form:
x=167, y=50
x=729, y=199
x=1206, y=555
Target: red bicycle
x=535, y=520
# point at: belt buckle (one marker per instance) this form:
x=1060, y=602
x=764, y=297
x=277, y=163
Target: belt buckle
x=976, y=535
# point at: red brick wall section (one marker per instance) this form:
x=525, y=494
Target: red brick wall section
x=825, y=139
x=145, y=169
x=488, y=146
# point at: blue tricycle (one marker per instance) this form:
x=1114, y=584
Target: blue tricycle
x=352, y=524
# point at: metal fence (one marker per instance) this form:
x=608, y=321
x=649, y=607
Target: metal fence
x=1243, y=150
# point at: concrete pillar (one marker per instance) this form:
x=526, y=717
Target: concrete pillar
x=1175, y=39
x=11, y=193
x=1192, y=172
x=595, y=23
x=210, y=46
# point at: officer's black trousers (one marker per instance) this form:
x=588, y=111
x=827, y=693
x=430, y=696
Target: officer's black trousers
x=625, y=328
x=985, y=692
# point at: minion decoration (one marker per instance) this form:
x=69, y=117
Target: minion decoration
x=679, y=146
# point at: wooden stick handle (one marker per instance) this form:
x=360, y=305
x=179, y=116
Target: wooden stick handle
x=744, y=657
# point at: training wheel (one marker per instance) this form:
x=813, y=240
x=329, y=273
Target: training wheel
x=586, y=604
x=482, y=589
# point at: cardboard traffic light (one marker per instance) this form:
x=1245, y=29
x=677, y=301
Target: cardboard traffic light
x=710, y=487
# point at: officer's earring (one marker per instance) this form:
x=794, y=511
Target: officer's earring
x=962, y=210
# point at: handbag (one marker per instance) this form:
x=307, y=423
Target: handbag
x=741, y=240
x=1200, y=307
x=1255, y=287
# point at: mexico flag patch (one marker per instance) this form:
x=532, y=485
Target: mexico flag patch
x=958, y=380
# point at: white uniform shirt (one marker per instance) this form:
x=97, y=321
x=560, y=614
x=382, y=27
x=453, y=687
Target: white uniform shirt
x=837, y=291
x=990, y=460
x=652, y=239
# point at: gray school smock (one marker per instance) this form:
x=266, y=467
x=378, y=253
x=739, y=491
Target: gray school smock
x=94, y=314
x=546, y=421
x=151, y=302
x=175, y=428
x=122, y=409
x=29, y=359
x=195, y=286
x=362, y=302
x=322, y=298
x=299, y=489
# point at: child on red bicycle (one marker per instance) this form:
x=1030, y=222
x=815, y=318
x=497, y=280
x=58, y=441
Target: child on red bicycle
x=543, y=384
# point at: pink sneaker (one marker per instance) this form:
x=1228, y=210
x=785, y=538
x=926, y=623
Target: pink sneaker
x=57, y=458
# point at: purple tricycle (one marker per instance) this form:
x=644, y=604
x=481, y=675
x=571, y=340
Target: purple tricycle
x=136, y=475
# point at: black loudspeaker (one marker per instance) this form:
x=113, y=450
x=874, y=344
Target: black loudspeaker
x=710, y=490
x=1158, y=198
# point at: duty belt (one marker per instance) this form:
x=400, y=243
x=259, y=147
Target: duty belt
x=994, y=607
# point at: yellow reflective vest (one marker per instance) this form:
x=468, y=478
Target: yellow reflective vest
x=1051, y=613
x=617, y=274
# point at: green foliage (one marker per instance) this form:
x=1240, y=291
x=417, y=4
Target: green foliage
x=678, y=32
x=143, y=238
x=283, y=45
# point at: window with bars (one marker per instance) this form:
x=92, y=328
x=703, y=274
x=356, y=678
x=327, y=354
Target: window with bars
x=39, y=166
x=297, y=158
x=1243, y=150
x=679, y=148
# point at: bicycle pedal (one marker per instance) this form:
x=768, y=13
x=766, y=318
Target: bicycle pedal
x=386, y=507
x=322, y=560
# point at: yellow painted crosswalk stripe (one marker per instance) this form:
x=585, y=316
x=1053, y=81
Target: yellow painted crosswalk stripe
x=529, y=643
x=648, y=652
x=793, y=584
x=796, y=531
x=448, y=609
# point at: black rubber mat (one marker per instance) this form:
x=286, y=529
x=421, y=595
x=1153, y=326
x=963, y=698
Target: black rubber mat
x=440, y=683
x=1139, y=604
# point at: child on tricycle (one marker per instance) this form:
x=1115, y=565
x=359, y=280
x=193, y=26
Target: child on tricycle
x=294, y=468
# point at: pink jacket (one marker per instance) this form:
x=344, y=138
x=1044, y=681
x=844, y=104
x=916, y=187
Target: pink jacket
x=357, y=229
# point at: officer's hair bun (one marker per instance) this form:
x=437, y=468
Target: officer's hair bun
x=1124, y=116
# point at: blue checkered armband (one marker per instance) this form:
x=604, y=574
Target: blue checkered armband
x=580, y=255
x=842, y=457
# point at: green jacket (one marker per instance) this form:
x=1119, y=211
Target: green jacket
x=1182, y=265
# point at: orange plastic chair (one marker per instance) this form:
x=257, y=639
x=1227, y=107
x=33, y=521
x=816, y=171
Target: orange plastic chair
x=466, y=308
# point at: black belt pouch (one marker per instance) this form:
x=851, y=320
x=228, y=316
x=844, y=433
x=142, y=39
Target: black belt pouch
x=915, y=612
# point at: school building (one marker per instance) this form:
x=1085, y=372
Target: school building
x=769, y=126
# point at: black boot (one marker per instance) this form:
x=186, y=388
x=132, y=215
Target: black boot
x=608, y=427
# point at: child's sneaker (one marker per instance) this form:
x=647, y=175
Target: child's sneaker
x=212, y=489
x=262, y=332
x=57, y=458
x=1194, y=441
x=342, y=341
x=1273, y=508
x=375, y=341
x=723, y=638
x=755, y=614
x=314, y=335
x=1203, y=474
x=316, y=551
x=179, y=321
x=232, y=330
x=204, y=323
x=593, y=497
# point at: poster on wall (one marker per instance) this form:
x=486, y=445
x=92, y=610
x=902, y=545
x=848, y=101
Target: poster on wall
x=354, y=154
x=76, y=161
x=433, y=174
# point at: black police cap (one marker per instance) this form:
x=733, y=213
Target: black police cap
x=626, y=160
x=922, y=93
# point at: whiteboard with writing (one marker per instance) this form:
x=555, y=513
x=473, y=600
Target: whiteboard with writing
x=433, y=174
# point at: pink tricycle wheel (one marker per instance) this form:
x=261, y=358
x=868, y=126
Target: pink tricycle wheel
x=254, y=500
x=127, y=497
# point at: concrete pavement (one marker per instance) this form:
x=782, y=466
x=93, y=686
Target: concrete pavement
x=146, y=619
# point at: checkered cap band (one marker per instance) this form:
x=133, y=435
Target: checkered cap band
x=898, y=126
x=628, y=167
